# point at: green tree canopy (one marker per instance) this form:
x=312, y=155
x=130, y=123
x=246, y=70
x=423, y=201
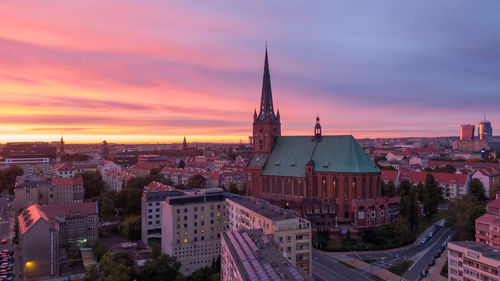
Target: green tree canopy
x=494, y=188
x=93, y=184
x=477, y=190
x=164, y=268
x=197, y=181
x=8, y=178
x=131, y=228
x=389, y=189
x=462, y=214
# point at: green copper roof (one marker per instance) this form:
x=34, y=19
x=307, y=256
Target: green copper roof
x=332, y=154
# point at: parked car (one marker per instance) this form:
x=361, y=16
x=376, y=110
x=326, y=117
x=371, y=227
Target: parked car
x=424, y=273
x=432, y=262
x=4, y=241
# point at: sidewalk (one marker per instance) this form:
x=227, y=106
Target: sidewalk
x=435, y=271
x=417, y=242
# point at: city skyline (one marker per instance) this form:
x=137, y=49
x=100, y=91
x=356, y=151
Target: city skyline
x=131, y=75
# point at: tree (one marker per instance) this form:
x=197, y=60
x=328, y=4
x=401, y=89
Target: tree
x=477, y=190
x=461, y=215
x=181, y=164
x=107, y=205
x=8, y=178
x=420, y=192
x=389, y=189
x=197, y=181
x=75, y=157
x=155, y=250
x=432, y=197
x=404, y=187
x=111, y=270
x=402, y=232
x=129, y=201
x=93, y=184
x=131, y=228
x=233, y=188
x=163, y=268
x=99, y=249
x=155, y=171
x=494, y=188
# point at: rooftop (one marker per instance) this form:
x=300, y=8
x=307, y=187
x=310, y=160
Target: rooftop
x=29, y=217
x=70, y=210
x=78, y=180
x=257, y=258
x=485, y=251
x=262, y=207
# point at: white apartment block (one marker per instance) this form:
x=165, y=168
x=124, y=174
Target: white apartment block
x=292, y=233
x=191, y=228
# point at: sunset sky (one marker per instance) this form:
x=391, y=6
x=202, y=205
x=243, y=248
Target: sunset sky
x=156, y=70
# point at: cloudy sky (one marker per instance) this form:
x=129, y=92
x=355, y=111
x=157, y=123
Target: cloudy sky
x=154, y=71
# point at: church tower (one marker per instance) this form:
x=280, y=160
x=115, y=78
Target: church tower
x=266, y=125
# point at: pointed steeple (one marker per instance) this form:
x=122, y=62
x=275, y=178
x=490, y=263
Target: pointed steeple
x=184, y=144
x=254, y=114
x=266, y=101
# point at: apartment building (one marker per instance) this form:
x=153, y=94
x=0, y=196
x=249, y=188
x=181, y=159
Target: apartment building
x=488, y=225
x=291, y=233
x=58, y=191
x=452, y=185
x=71, y=169
x=78, y=223
x=38, y=244
x=191, y=227
x=151, y=210
x=250, y=255
x=471, y=261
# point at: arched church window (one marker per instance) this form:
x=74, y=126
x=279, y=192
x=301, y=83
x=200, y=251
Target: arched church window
x=335, y=184
x=323, y=187
x=363, y=188
x=354, y=188
x=346, y=188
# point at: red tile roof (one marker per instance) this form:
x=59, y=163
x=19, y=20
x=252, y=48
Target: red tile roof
x=489, y=219
x=78, y=180
x=70, y=210
x=157, y=187
x=29, y=217
x=420, y=177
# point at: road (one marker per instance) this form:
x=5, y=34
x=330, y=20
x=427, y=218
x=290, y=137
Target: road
x=326, y=267
x=7, y=223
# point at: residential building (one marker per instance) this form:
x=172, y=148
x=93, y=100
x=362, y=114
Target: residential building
x=488, y=225
x=191, y=228
x=71, y=169
x=452, y=185
x=143, y=168
x=488, y=176
x=58, y=191
x=32, y=167
x=20, y=150
x=66, y=191
x=38, y=244
x=116, y=178
x=126, y=158
x=293, y=171
x=151, y=210
x=291, y=233
x=78, y=223
x=250, y=255
x=471, y=261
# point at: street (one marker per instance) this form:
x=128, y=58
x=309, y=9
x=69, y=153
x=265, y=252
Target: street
x=327, y=267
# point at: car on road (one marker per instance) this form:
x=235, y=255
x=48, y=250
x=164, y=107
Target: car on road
x=4, y=241
x=432, y=262
x=424, y=273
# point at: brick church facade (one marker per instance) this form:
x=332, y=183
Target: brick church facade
x=327, y=179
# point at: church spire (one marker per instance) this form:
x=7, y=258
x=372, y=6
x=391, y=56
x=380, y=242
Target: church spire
x=266, y=101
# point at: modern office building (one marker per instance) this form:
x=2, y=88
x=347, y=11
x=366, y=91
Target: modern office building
x=151, y=210
x=485, y=131
x=467, y=132
x=291, y=233
x=191, y=227
x=251, y=255
x=38, y=244
x=471, y=261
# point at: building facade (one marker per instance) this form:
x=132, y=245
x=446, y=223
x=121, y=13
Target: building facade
x=38, y=244
x=191, y=228
x=467, y=132
x=251, y=255
x=151, y=210
x=291, y=233
x=314, y=172
x=471, y=261
x=488, y=225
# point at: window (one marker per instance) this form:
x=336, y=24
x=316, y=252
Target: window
x=346, y=188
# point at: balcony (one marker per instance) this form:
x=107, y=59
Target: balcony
x=306, y=240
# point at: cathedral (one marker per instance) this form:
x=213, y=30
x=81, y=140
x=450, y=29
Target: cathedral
x=328, y=180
